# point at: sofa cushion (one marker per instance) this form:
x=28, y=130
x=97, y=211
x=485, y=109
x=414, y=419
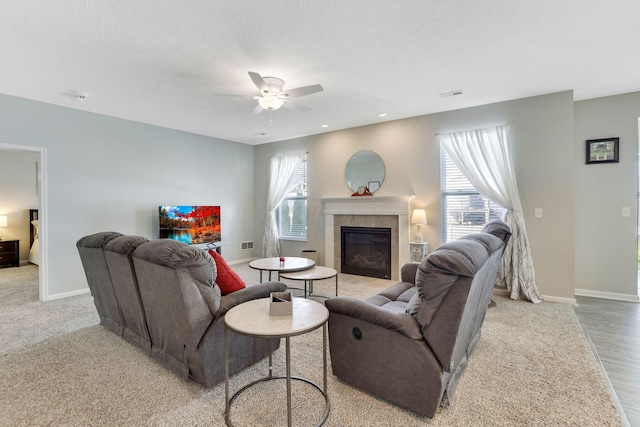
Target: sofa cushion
x=488, y=241
x=97, y=240
x=176, y=255
x=394, y=298
x=125, y=245
x=499, y=229
x=414, y=304
x=228, y=280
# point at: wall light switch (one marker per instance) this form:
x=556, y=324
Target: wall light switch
x=538, y=213
x=626, y=212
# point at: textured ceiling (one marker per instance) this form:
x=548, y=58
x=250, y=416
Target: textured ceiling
x=177, y=63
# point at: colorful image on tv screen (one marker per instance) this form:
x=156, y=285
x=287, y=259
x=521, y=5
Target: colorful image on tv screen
x=190, y=224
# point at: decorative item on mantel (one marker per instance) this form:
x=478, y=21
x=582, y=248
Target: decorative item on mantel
x=419, y=217
x=363, y=190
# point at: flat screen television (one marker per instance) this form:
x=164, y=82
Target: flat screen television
x=192, y=225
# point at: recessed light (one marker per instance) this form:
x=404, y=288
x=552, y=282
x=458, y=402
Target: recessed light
x=80, y=96
x=382, y=114
x=452, y=93
x=324, y=126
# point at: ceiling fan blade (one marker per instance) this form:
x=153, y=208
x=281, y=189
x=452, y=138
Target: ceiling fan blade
x=302, y=91
x=258, y=81
x=295, y=106
x=228, y=95
x=257, y=110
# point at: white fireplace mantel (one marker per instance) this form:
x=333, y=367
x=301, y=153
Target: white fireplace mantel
x=399, y=206
x=367, y=205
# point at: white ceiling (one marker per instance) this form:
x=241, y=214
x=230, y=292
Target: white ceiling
x=173, y=63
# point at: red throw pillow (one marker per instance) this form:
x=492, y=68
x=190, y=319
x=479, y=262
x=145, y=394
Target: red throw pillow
x=227, y=279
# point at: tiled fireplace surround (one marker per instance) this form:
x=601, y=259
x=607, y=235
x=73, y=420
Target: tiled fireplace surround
x=368, y=211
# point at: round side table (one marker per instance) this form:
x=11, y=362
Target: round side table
x=252, y=319
x=274, y=264
x=308, y=276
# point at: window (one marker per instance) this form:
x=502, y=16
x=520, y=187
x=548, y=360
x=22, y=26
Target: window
x=292, y=212
x=464, y=210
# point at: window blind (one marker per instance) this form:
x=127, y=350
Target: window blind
x=464, y=209
x=292, y=212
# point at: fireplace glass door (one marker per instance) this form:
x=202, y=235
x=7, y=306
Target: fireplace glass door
x=366, y=251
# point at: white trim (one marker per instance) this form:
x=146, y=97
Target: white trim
x=240, y=261
x=547, y=298
x=43, y=286
x=607, y=295
x=68, y=294
x=550, y=298
x=367, y=205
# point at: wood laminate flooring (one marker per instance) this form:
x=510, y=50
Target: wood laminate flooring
x=614, y=329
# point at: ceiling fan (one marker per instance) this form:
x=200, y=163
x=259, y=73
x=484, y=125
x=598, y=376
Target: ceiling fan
x=272, y=96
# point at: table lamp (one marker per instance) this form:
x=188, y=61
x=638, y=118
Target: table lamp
x=3, y=223
x=419, y=217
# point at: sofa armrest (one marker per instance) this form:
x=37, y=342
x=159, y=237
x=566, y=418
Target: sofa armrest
x=362, y=310
x=408, y=272
x=260, y=290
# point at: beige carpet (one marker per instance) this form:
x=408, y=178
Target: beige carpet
x=533, y=366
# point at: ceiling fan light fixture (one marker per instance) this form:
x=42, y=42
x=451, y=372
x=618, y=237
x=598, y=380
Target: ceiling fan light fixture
x=272, y=96
x=270, y=102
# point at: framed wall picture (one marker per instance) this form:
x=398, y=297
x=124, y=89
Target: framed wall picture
x=603, y=150
x=373, y=186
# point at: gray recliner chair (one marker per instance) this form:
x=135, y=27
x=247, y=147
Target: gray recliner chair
x=411, y=343
x=162, y=296
x=91, y=250
x=118, y=253
x=185, y=312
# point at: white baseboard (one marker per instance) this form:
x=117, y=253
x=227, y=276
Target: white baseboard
x=562, y=300
x=548, y=298
x=607, y=295
x=67, y=294
x=240, y=261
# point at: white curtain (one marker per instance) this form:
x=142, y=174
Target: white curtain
x=483, y=157
x=283, y=172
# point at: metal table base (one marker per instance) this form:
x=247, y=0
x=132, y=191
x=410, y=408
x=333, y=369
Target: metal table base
x=270, y=377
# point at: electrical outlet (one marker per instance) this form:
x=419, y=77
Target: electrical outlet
x=538, y=213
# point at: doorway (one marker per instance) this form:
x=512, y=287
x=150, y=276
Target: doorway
x=41, y=189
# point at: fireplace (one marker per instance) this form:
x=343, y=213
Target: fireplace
x=366, y=251
x=379, y=211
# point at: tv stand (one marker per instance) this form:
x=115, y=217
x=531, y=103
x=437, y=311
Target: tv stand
x=208, y=246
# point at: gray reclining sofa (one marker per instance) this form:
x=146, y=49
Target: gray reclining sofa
x=411, y=343
x=162, y=296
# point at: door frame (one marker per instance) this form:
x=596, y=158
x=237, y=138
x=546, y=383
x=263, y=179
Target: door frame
x=43, y=268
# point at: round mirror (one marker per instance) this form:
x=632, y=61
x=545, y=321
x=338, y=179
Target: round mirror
x=365, y=169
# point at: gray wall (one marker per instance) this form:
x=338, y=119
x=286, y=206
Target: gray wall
x=542, y=141
x=112, y=174
x=606, y=242
x=18, y=194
